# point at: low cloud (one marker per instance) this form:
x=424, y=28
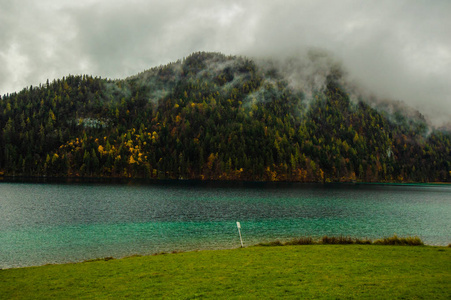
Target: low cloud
x=396, y=49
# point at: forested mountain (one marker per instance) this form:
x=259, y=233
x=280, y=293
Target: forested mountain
x=211, y=116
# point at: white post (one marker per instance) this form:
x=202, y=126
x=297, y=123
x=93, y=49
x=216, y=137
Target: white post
x=239, y=231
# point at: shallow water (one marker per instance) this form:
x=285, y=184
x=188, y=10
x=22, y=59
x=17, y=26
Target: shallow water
x=44, y=223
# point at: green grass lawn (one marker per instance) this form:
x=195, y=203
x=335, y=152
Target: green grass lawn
x=310, y=271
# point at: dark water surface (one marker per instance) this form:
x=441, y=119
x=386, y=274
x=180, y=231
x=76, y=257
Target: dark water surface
x=44, y=223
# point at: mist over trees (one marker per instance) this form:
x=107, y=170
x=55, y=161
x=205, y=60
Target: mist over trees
x=211, y=116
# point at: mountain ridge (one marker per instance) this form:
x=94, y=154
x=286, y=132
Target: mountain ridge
x=212, y=116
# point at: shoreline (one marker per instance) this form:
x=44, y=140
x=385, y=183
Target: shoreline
x=127, y=180
x=393, y=241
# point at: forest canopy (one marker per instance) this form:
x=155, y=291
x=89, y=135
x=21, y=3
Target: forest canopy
x=218, y=117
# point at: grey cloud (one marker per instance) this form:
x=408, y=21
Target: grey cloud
x=124, y=39
x=397, y=49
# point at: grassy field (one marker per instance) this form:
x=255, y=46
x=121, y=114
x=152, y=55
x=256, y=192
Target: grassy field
x=310, y=271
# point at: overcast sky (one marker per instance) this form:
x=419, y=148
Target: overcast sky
x=397, y=49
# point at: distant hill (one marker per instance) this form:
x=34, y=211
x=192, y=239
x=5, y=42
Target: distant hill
x=211, y=116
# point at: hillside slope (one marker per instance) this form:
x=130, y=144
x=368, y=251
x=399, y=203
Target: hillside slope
x=211, y=116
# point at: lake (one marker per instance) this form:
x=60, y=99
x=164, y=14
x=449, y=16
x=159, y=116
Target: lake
x=43, y=223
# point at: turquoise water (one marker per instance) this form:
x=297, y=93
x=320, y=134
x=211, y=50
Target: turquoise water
x=56, y=223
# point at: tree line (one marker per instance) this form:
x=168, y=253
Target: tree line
x=211, y=116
